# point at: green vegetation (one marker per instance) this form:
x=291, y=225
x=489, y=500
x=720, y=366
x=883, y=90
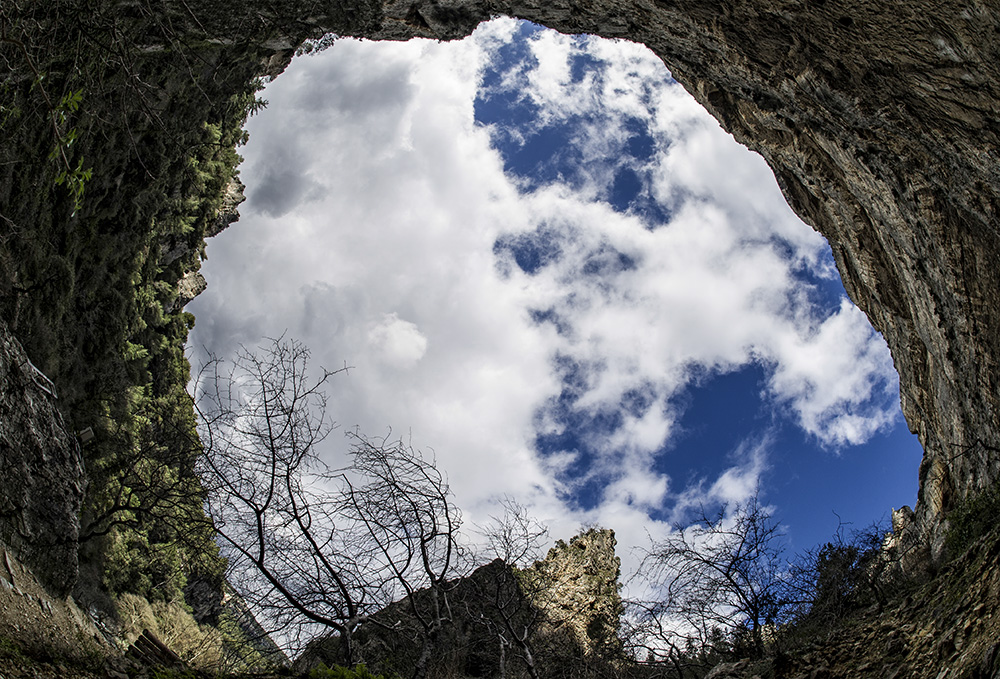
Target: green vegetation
x=972, y=519
x=113, y=169
x=10, y=650
x=337, y=672
x=171, y=673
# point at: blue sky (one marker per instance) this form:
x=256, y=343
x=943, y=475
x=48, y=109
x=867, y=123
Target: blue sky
x=549, y=265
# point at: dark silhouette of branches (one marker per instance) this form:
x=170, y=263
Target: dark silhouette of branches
x=512, y=540
x=516, y=537
x=318, y=550
x=404, y=504
x=718, y=583
x=150, y=463
x=261, y=423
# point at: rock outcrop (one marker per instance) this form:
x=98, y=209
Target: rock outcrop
x=42, y=482
x=946, y=627
x=558, y=617
x=580, y=591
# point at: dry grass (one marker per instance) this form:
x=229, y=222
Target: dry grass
x=200, y=646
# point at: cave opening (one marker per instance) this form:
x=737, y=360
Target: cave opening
x=547, y=263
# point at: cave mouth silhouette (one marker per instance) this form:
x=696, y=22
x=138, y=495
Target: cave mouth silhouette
x=360, y=106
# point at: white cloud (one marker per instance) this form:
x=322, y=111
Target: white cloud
x=830, y=375
x=374, y=204
x=398, y=342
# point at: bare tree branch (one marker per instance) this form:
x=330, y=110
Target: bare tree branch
x=317, y=550
x=719, y=583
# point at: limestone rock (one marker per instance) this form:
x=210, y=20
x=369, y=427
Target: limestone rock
x=729, y=670
x=582, y=593
x=42, y=484
x=176, y=248
x=229, y=211
x=189, y=287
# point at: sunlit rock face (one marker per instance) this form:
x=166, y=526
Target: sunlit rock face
x=580, y=593
x=880, y=121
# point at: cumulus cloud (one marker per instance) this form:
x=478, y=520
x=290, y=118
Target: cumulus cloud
x=831, y=374
x=531, y=310
x=398, y=342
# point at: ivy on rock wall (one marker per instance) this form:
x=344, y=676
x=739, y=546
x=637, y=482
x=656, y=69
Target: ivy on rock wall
x=118, y=145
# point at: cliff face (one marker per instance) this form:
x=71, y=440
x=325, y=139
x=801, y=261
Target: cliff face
x=41, y=487
x=880, y=121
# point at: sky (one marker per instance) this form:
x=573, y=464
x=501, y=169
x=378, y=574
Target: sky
x=550, y=268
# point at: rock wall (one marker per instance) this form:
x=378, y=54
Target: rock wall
x=42, y=483
x=579, y=593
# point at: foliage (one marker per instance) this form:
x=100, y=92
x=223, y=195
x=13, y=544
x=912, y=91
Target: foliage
x=12, y=650
x=337, y=672
x=200, y=646
x=972, y=519
x=74, y=178
x=88, y=281
x=224, y=647
x=134, y=615
x=848, y=573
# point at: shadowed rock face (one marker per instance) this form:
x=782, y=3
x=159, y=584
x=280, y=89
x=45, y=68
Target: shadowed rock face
x=880, y=121
x=42, y=484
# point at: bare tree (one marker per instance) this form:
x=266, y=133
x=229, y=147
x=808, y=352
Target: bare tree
x=261, y=423
x=316, y=550
x=514, y=539
x=404, y=503
x=718, y=582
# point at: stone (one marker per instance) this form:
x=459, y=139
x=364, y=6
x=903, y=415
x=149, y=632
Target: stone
x=189, y=287
x=582, y=591
x=729, y=670
x=43, y=481
x=229, y=210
